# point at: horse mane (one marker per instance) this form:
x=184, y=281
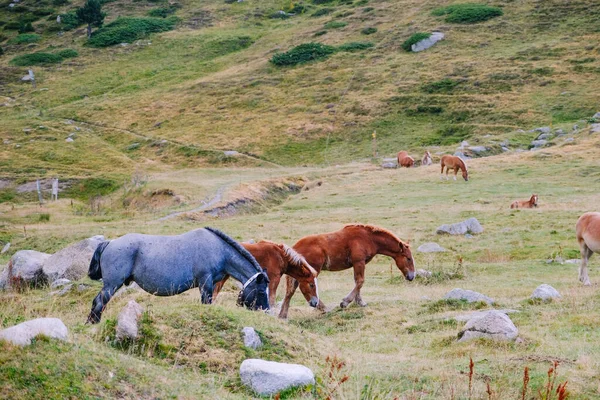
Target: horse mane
x=376, y=229
x=243, y=252
x=293, y=257
x=464, y=164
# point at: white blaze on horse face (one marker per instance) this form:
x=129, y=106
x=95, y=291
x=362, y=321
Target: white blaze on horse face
x=317, y=287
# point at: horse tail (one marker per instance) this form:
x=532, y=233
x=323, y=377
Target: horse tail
x=95, y=271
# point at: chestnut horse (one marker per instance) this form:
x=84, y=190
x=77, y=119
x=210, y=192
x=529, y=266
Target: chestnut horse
x=427, y=160
x=353, y=246
x=404, y=160
x=531, y=203
x=588, y=237
x=278, y=259
x=455, y=163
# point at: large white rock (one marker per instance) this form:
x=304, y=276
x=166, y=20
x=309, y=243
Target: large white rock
x=430, y=247
x=73, y=261
x=269, y=377
x=492, y=325
x=470, y=225
x=545, y=292
x=427, y=43
x=23, y=333
x=476, y=314
x=127, y=321
x=251, y=338
x=469, y=295
x=26, y=269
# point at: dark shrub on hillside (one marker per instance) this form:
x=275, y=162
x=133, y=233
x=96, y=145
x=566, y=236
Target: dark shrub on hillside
x=12, y=25
x=162, y=12
x=322, y=11
x=415, y=38
x=68, y=53
x=322, y=1
x=368, y=31
x=40, y=58
x=42, y=12
x=69, y=21
x=449, y=135
x=1, y=51
x=298, y=8
x=304, y=53
x=355, y=46
x=60, y=2
x=25, y=38
x=443, y=86
x=279, y=15
x=129, y=29
x=25, y=27
x=320, y=33
x=335, y=24
x=468, y=13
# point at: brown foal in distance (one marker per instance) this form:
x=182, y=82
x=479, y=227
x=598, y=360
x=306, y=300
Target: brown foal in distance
x=455, y=163
x=279, y=259
x=404, y=160
x=353, y=246
x=588, y=237
x=531, y=203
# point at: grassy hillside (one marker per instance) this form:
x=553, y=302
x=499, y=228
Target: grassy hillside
x=208, y=85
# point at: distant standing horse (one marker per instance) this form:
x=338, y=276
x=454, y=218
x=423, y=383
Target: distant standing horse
x=169, y=265
x=455, y=163
x=278, y=259
x=588, y=237
x=427, y=160
x=531, y=203
x=404, y=160
x=353, y=246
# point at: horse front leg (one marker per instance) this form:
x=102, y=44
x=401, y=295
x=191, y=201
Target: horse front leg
x=442, y=173
x=100, y=302
x=359, y=279
x=218, y=286
x=290, y=287
x=206, y=291
x=455, y=172
x=586, y=253
x=273, y=284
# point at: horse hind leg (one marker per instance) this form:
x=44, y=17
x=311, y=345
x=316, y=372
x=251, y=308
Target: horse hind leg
x=290, y=288
x=586, y=253
x=100, y=302
x=359, y=280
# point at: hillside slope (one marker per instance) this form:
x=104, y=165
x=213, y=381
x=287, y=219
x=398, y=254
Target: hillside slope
x=208, y=85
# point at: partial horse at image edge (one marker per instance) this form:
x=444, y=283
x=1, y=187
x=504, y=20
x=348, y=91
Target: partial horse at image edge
x=588, y=236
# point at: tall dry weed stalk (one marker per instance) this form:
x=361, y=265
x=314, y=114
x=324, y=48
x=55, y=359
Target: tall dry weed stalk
x=335, y=376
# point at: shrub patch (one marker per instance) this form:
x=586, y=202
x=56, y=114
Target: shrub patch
x=468, y=13
x=302, y=54
x=129, y=29
x=415, y=38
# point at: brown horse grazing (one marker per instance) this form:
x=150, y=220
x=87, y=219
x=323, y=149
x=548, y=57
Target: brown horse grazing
x=455, y=163
x=427, y=160
x=279, y=259
x=531, y=203
x=353, y=246
x=404, y=160
x=588, y=236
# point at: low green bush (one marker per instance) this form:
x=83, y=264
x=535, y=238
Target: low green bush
x=162, y=12
x=415, y=38
x=68, y=53
x=39, y=58
x=368, y=31
x=320, y=33
x=25, y=27
x=335, y=24
x=302, y=54
x=442, y=86
x=1, y=51
x=25, y=38
x=322, y=1
x=355, y=46
x=322, y=11
x=12, y=25
x=60, y=2
x=69, y=21
x=468, y=13
x=298, y=8
x=129, y=29
x=42, y=12
x=280, y=15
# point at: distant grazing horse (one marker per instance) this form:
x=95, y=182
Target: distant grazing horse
x=353, y=246
x=588, y=236
x=427, y=160
x=169, y=265
x=278, y=259
x=404, y=160
x=455, y=163
x=531, y=203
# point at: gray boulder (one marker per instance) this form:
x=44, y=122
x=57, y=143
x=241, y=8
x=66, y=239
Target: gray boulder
x=470, y=225
x=469, y=295
x=543, y=129
x=269, y=377
x=596, y=116
x=545, y=292
x=4, y=279
x=544, y=136
x=537, y=144
x=423, y=273
x=430, y=247
x=73, y=261
x=251, y=338
x=26, y=269
x=23, y=333
x=133, y=287
x=478, y=149
x=595, y=128
x=477, y=314
x=127, y=321
x=461, y=155
x=493, y=325
x=389, y=165
x=59, y=283
x=427, y=43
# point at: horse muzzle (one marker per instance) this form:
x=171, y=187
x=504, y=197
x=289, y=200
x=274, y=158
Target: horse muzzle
x=314, y=301
x=410, y=275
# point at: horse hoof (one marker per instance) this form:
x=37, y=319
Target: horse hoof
x=344, y=304
x=362, y=303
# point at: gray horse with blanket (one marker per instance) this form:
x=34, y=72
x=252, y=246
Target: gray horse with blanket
x=169, y=265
